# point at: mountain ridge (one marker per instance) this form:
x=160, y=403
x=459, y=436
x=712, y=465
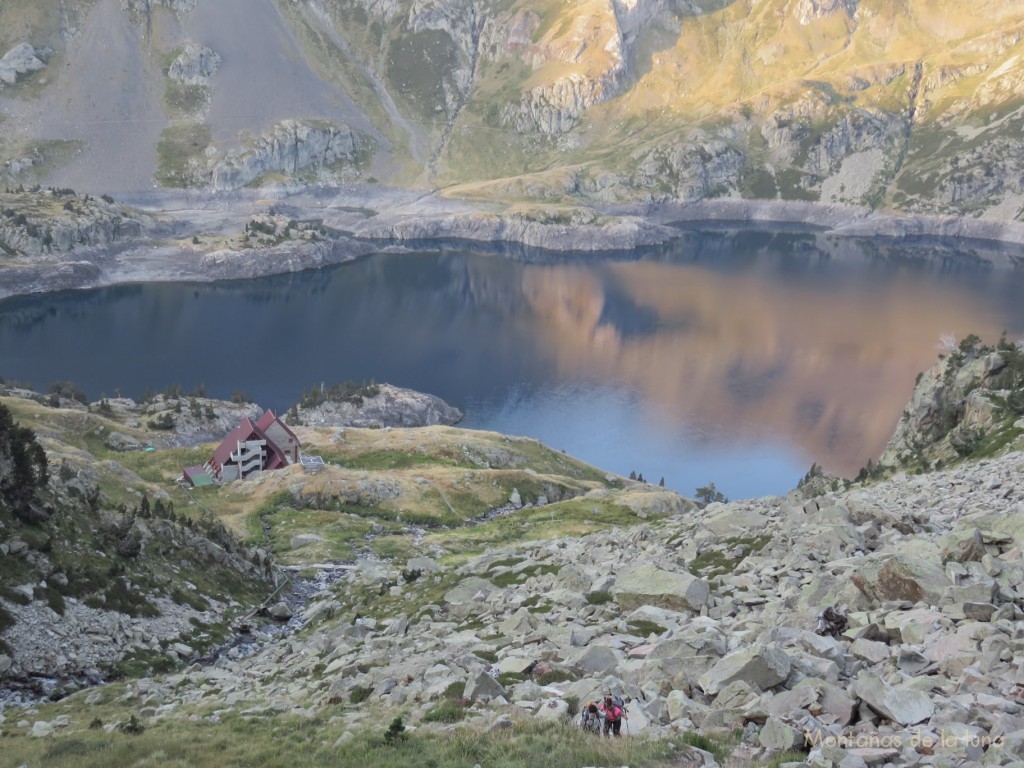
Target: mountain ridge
x=914, y=108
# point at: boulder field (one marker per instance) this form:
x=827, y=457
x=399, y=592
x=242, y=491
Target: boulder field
x=704, y=621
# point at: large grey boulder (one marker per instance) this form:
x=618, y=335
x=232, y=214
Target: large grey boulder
x=964, y=546
x=903, y=705
x=553, y=709
x=304, y=539
x=779, y=736
x=870, y=651
x=573, y=579
x=483, y=686
x=18, y=61
x=596, y=660
x=898, y=577
x=763, y=666
x=468, y=590
x=119, y=441
x=41, y=729
x=515, y=664
x=371, y=571
x=423, y=564
x=650, y=585
x=280, y=611
x=522, y=622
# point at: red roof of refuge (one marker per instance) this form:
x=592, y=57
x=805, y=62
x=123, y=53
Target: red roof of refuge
x=244, y=431
x=269, y=418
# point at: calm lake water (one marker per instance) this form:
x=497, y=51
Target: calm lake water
x=736, y=357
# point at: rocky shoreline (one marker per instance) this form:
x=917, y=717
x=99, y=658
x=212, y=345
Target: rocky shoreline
x=189, y=236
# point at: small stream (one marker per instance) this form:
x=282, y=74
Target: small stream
x=261, y=629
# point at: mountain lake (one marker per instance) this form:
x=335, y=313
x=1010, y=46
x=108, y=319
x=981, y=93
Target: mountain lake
x=731, y=356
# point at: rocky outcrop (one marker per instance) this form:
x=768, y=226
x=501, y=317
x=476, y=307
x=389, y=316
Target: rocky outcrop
x=808, y=10
x=193, y=419
x=984, y=174
x=688, y=172
x=291, y=147
x=20, y=60
x=144, y=7
x=558, y=107
x=855, y=131
x=195, y=65
x=954, y=404
x=390, y=407
x=56, y=227
x=288, y=256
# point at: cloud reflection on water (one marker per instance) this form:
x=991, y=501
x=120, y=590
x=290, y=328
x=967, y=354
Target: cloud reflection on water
x=740, y=356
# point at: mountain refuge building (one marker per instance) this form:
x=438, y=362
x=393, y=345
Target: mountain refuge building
x=250, y=448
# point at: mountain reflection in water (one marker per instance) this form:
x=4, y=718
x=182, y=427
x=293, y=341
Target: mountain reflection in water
x=737, y=357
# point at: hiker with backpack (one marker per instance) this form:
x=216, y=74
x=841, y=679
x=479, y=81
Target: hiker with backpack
x=614, y=712
x=590, y=718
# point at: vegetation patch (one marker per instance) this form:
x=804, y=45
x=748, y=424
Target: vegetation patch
x=720, y=751
x=454, y=692
x=715, y=562
x=511, y=577
x=645, y=628
x=489, y=656
x=143, y=663
x=283, y=741
x=508, y=679
x=445, y=712
x=557, y=675
x=180, y=152
x=385, y=460
x=359, y=694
